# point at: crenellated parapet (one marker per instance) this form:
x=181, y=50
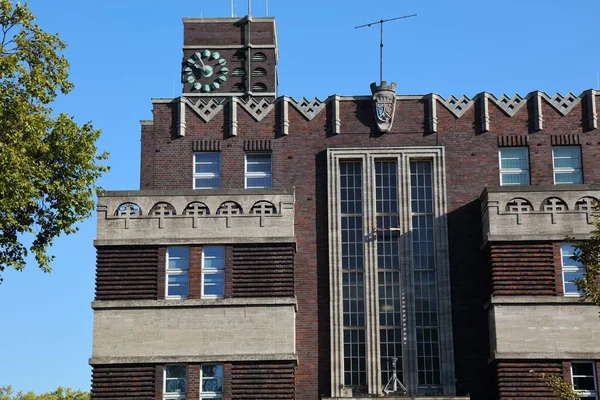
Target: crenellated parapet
x=458, y=106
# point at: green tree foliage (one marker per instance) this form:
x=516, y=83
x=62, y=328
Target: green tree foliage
x=588, y=253
x=561, y=388
x=6, y=393
x=49, y=163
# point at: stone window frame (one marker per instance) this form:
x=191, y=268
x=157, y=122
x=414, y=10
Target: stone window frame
x=220, y=270
x=206, y=175
x=574, y=268
x=175, y=395
x=514, y=171
x=403, y=156
x=258, y=174
x=211, y=394
x=177, y=272
x=585, y=393
x=574, y=171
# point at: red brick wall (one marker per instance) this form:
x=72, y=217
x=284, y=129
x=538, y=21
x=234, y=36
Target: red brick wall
x=299, y=162
x=126, y=273
x=125, y=382
x=523, y=268
x=514, y=379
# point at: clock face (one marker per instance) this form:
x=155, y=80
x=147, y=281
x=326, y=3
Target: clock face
x=206, y=71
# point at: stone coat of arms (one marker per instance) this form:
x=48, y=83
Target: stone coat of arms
x=384, y=103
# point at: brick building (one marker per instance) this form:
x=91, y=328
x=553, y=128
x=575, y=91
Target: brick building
x=283, y=249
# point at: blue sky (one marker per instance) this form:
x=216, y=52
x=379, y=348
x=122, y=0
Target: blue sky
x=125, y=52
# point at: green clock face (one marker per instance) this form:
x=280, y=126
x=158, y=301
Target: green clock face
x=206, y=71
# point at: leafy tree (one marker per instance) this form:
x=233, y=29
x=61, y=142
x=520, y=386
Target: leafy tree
x=49, y=163
x=6, y=393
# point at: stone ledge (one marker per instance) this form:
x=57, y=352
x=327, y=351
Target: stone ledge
x=184, y=241
x=555, y=355
x=231, y=302
x=539, y=300
x=192, y=359
x=397, y=398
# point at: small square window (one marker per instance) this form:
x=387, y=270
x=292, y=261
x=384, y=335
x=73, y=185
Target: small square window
x=259, y=172
x=175, y=382
x=213, y=272
x=583, y=375
x=571, y=270
x=178, y=260
x=207, y=170
x=211, y=381
x=567, y=164
x=514, y=166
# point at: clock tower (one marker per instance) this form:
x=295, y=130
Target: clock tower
x=225, y=57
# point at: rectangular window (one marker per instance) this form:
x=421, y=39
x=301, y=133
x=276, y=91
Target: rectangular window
x=571, y=270
x=583, y=374
x=514, y=166
x=213, y=271
x=207, y=170
x=211, y=378
x=175, y=386
x=353, y=285
x=424, y=270
x=567, y=164
x=259, y=174
x=178, y=268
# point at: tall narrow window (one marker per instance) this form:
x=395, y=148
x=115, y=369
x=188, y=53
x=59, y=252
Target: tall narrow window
x=567, y=164
x=425, y=299
x=583, y=374
x=353, y=287
x=175, y=382
x=388, y=268
x=211, y=386
x=514, y=166
x=571, y=270
x=213, y=272
x=178, y=272
x=259, y=170
x=207, y=170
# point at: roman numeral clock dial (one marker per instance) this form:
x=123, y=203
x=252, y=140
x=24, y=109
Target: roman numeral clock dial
x=206, y=71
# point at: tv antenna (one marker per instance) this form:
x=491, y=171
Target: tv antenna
x=381, y=22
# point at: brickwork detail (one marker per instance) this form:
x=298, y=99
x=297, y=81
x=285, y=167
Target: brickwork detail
x=510, y=105
x=308, y=108
x=206, y=109
x=258, y=109
x=257, y=145
x=263, y=271
x=206, y=145
x=123, y=382
x=556, y=140
x=513, y=140
x=126, y=273
x=514, y=380
x=253, y=381
x=522, y=268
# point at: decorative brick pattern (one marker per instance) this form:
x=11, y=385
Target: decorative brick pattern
x=513, y=379
x=206, y=145
x=513, y=140
x=557, y=140
x=519, y=268
x=124, y=382
x=257, y=145
x=262, y=270
x=126, y=273
x=254, y=381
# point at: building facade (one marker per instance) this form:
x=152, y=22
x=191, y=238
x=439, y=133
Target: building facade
x=319, y=249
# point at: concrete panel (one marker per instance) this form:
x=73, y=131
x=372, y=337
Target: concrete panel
x=575, y=220
x=249, y=225
x=566, y=330
x=193, y=331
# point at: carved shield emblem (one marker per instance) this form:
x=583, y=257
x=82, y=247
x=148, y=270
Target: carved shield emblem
x=384, y=102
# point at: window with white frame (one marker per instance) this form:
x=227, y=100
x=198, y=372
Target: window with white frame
x=514, y=166
x=567, y=164
x=207, y=170
x=583, y=375
x=213, y=271
x=571, y=270
x=259, y=172
x=175, y=384
x=211, y=378
x=178, y=271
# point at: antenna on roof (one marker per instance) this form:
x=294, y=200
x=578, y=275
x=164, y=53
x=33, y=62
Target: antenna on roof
x=249, y=8
x=381, y=22
x=266, y=8
x=232, y=15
